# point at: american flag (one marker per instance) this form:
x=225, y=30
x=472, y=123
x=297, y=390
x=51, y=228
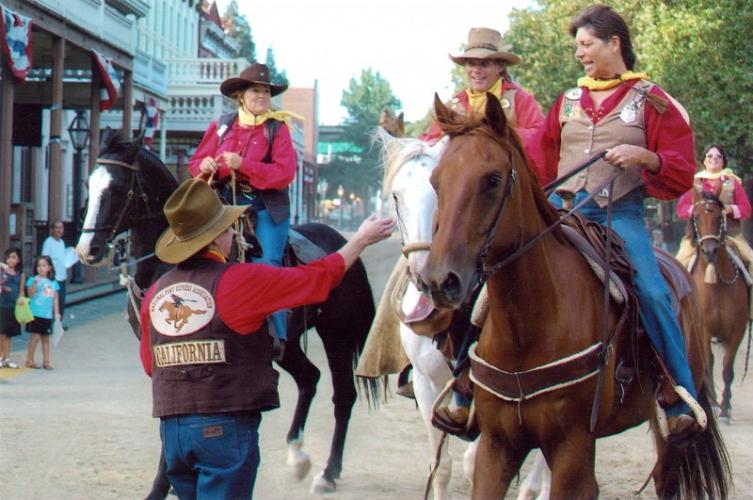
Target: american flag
x=16, y=41
x=110, y=87
x=151, y=120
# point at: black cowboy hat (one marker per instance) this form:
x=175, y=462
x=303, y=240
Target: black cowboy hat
x=256, y=73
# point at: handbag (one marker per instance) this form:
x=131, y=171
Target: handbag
x=57, y=332
x=23, y=311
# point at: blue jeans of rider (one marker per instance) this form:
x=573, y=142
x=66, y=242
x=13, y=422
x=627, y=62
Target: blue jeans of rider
x=212, y=456
x=272, y=238
x=654, y=299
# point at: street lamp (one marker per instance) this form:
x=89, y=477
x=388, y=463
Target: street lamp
x=341, y=194
x=79, y=132
x=352, y=212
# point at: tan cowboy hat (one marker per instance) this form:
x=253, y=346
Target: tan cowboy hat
x=256, y=73
x=196, y=216
x=486, y=43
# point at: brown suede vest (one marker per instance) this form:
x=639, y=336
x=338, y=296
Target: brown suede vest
x=581, y=139
x=200, y=365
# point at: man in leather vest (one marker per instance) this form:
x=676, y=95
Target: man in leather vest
x=211, y=369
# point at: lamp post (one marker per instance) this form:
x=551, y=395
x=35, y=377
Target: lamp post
x=79, y=133
x=352, y=212
x=341, y=194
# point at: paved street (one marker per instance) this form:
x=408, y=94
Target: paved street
x=85, y=431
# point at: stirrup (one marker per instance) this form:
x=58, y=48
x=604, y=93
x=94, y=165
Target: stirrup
x=467, y=432
x=698, y=412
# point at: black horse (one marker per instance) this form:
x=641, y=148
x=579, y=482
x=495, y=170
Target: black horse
x=127, y=191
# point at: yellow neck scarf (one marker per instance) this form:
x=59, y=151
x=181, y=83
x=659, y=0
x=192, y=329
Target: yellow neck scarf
x=249, y=119
x=477, y=100
x=727, y=172
x=596, y=84
x=217, y=254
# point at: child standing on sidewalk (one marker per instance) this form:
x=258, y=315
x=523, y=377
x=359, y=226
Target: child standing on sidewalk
x=43, y=290
x=11, y=279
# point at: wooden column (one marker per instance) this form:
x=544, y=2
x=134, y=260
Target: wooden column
x=128, y=102
x=6, y=154
x=94, y=119
x=55, y=182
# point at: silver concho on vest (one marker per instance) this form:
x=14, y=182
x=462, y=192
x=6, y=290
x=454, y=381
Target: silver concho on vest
x=181, y=309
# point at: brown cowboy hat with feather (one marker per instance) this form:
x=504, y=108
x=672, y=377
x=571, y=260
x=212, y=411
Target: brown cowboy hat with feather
x=256, y=73
x=486, y=43
x=196, y=216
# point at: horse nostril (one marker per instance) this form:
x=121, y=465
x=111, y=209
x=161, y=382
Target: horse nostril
x=451, y=285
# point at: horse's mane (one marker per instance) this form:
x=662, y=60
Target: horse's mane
x=116, y=143
x=396, y=152
x=710, y=196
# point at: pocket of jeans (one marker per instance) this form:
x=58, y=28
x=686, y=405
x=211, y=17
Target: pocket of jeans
x=217, y=442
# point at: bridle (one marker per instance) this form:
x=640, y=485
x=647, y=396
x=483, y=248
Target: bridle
x=484, y=272
x=135, y=190
x=720, y=237
x=407, y=248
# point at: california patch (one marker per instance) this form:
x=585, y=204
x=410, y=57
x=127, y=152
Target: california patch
x=181, y=309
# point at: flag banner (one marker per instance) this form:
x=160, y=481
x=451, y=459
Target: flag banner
x=150, y=119
x=16, y=40
x=110, y=87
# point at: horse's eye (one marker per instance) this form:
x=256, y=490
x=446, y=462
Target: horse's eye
x=492, y=181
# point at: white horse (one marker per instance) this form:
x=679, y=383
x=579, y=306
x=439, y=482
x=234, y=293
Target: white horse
x=408, y=165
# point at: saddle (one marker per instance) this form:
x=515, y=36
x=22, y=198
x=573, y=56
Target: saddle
x=590, y=239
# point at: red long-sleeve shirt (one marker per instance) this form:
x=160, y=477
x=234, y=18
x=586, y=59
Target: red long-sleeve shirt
x=741, y=208
x=528, y=115
x=251, y=144
x=667, y=134
x=251, y=292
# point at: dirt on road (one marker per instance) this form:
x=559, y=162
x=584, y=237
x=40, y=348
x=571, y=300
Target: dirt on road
x=84, y=430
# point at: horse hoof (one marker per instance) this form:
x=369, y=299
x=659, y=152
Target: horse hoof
x=299, y=461
x=322, y=485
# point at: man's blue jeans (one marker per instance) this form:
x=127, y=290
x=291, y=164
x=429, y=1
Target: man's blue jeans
x=654, y=299
x=212, y=456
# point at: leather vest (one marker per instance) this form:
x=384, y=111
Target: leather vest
x=507, y=100
x=581, y=139
x=200, y=365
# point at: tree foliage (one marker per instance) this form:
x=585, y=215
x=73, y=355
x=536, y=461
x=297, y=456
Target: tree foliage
x=238, y=29
x=695, y=49
x=364, y=100
x=275, y=76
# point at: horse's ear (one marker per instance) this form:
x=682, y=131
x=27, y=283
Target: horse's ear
x=444, y=115
x=106, y=138
x=495, y=116
x=138, y=141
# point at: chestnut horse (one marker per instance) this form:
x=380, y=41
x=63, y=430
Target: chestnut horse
x=725, y=313
x=545, y=312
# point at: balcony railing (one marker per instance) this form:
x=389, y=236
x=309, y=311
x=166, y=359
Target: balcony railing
x=202, y=71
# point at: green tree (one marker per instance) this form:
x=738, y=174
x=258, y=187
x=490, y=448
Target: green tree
x=364, y=101
x=237, y=27
x=275, y=76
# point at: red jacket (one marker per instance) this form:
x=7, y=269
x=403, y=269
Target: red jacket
x=741, y=209
x=668, y=135
x=245, y=297
x=251, y=144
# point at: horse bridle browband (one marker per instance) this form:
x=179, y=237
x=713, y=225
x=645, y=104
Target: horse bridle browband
x=135, y=182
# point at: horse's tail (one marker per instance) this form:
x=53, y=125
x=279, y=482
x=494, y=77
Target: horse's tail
x=701, y=467
x=373, y=388
x=747, y=353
